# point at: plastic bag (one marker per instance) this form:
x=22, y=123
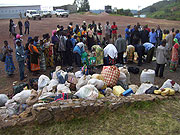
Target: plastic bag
x=53, y=83
x=61, y=88
x=171, y=84
x=98, y=76
x=82, y=81
x=12, y=107
x=22, y=96
x=87, y=92
x=122, y=78
x=33, y=97
x=43, y=81
x=47, y=94
x=143, y=88
x=126, y=72
x=3, y=99
x=79, y=74
x=99, y=84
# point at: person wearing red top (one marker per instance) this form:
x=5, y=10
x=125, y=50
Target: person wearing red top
x=114, y=32
x=146, y=28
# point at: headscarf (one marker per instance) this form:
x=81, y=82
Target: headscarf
x=80, y=44
x=54, y=31
x=110, y=50
x=176, y=41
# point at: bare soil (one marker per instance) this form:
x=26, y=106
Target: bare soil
x=46, y=25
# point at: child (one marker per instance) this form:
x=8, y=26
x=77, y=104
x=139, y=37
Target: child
x=161, y=59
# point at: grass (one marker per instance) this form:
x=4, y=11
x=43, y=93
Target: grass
x=146, y=118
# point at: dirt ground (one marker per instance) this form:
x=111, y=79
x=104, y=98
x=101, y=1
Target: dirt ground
x=46, y=25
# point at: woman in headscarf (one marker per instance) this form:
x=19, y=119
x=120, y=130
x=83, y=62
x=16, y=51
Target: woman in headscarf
x=48, y=51
x=99, y=54
x=27, y=54
x=175, y=58
x=78, y=50
x=130, y=53
x=34, y=57
x=42, y=57
x=110, y=54
x=9, y=65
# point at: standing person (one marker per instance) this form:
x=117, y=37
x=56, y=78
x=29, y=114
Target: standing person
x=169, y=45
x=27, y=54
x=135, y=36
x=9, y=64
x=128, y=34
x=84, y=26
x=139, y=26
x=34, y=57
x=20, y=58
x=62, y=47
x=121, y=48
x=20, y=15
x=99, y=32
x=144, y=35
x=94, y=26
x=153, y=37
x=26, y=25
x=11, y=27
x=159, y=35
x=114, y=32
x=149, y=50
x=55, y=41
x=78, y=50
x=164, y=34
x=90, y=38
x=175, y=58
x=107, y=31
x=147, y=28
x=20, y=27
x=160, y=59
x=36, y=41
x=69, y=49
x=42, y=57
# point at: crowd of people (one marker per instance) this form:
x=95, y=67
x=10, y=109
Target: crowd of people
x=74, y=44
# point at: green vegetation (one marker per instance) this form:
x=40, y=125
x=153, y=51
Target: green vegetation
x=122, y=12
x=141, y=118
x=166, y=9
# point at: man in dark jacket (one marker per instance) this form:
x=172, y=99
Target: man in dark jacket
x=144, y=35
x=159, y=35
x=20, y=27
x=69, y=51
x=121, y=46
x=135, y=36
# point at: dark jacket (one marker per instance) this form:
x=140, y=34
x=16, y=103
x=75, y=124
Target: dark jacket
x=144, y=36
x=69, y=45
x=159, y=35
x=135, y=37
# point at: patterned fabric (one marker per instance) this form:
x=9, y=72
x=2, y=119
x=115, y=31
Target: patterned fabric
x=111, y=75
x=175, y=58
x=99, y=54
x=34, y=66
x=130, y=52
x=9, y=65
x=49, y=58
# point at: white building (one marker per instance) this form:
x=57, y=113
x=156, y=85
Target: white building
x=14, y=11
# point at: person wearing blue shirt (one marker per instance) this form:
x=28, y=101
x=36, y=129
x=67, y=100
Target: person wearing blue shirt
x=20, y=57
x=127, y=33
x=152, y=37
x=149, y=50
x=177, y=35
x=78, y=50
x=74, y=41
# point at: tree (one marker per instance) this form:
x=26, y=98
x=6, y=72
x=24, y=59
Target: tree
x=82, y=5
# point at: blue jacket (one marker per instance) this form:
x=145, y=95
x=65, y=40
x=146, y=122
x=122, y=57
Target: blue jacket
x=78, y=50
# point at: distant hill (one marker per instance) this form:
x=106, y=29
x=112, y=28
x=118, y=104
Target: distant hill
x=166, y=9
